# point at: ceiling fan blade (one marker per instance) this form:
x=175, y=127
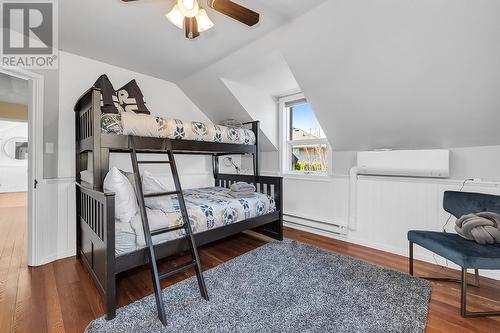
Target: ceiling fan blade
x=235, y=11
x=129, y=0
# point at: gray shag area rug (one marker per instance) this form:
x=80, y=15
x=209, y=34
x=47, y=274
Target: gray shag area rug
x=285, y=287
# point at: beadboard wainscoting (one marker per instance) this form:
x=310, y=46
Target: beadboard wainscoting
x=56, y=209
x=318, y=201
x=55, y=230
x=387, y=207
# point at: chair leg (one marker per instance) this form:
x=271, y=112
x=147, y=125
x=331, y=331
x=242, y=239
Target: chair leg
x=410, y=258
x=438, y=278
x=463, y=298
x=463, y=281
x=476, y=277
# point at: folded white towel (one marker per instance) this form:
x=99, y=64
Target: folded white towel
x=238, y=195
x=242, y=187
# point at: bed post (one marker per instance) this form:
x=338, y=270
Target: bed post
x=279, y=205
x=215, y=165
x=77, y=178
x=109, y=216
x=96, y=138
x=256, y=165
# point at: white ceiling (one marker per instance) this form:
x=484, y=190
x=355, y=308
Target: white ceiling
x=13, y=90
x=137, y=35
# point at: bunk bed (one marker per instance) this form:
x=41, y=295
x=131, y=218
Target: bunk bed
x=95, y=209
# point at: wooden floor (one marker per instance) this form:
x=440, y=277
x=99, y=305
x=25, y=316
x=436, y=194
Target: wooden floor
x=61, y=297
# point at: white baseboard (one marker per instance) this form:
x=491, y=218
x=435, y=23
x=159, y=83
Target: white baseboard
x=313, y=230
x=54, y=257
x=314, y=224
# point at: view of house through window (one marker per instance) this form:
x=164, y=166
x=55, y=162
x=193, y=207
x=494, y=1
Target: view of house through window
x=306, y=141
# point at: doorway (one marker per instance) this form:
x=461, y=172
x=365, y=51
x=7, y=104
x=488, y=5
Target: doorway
x=21, y=109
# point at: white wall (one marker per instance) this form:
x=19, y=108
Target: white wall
x=387, y=206
x=56, y=210
x=77, y=74
x=259, y=104
x=13, y=173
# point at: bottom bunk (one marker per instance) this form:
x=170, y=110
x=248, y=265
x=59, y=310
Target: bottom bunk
x=106, y=249
x=208, y=208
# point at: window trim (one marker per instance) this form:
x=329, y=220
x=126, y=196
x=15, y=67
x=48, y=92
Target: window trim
x=286, y=142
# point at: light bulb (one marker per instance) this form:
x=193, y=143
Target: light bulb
x=188, y=8
x=188, y=4
x=204, y=22
x=175, y=16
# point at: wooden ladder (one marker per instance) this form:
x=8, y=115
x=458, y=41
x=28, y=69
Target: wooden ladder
x=188, y=234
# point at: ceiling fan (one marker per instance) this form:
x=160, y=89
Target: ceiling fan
x=190, y=16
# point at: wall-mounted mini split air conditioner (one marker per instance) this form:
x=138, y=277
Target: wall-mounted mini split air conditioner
x=430, y=163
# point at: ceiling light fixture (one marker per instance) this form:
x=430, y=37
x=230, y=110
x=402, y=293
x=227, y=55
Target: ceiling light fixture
x=204, y=22
x=188, y=15
x=188, y=8
x=175, y=16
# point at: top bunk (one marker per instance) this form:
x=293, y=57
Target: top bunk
x=153, y=134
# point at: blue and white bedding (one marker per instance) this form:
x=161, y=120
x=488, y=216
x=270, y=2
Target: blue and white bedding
x=130, y=123
x=208, y=208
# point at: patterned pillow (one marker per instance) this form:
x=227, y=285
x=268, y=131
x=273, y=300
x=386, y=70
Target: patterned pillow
x=131, y=99
x=109, y=99
x=111, y=123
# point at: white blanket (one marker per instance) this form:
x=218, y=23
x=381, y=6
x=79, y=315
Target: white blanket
x=130, y=123
x=208, y=208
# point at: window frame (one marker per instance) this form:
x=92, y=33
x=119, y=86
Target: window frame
x=286, y=143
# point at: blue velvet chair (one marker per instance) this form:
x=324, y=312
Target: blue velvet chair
x=465, y=253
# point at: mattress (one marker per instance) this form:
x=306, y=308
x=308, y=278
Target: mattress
x=129, y=123
x=208, y=208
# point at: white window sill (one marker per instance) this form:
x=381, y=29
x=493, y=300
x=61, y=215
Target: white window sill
x=308, y=176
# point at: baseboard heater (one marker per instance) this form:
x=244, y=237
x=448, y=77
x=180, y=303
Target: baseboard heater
x=314, y=224
x=429, y=163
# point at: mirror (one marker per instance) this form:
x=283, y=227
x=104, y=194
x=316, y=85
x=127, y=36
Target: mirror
x=16, y=148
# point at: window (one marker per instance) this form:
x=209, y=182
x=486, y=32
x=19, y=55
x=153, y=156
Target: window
x=306, y=148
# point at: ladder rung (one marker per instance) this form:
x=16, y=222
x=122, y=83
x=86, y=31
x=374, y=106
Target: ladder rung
x=160, y=194
x=177, y=269
x=153, y=162
x=169, y=229
x=150, y=151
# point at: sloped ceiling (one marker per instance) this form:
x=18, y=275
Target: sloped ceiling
x=259, y=105
x=401, y=74
x=137, y=36
x=394, y=73
x=244, y=86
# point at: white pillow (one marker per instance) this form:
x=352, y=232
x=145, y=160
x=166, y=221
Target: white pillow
x=152, y=185
x=125, y=200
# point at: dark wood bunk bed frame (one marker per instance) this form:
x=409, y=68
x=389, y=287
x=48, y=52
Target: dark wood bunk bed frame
x=95, y=210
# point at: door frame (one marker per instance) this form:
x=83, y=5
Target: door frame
x=35, y=151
